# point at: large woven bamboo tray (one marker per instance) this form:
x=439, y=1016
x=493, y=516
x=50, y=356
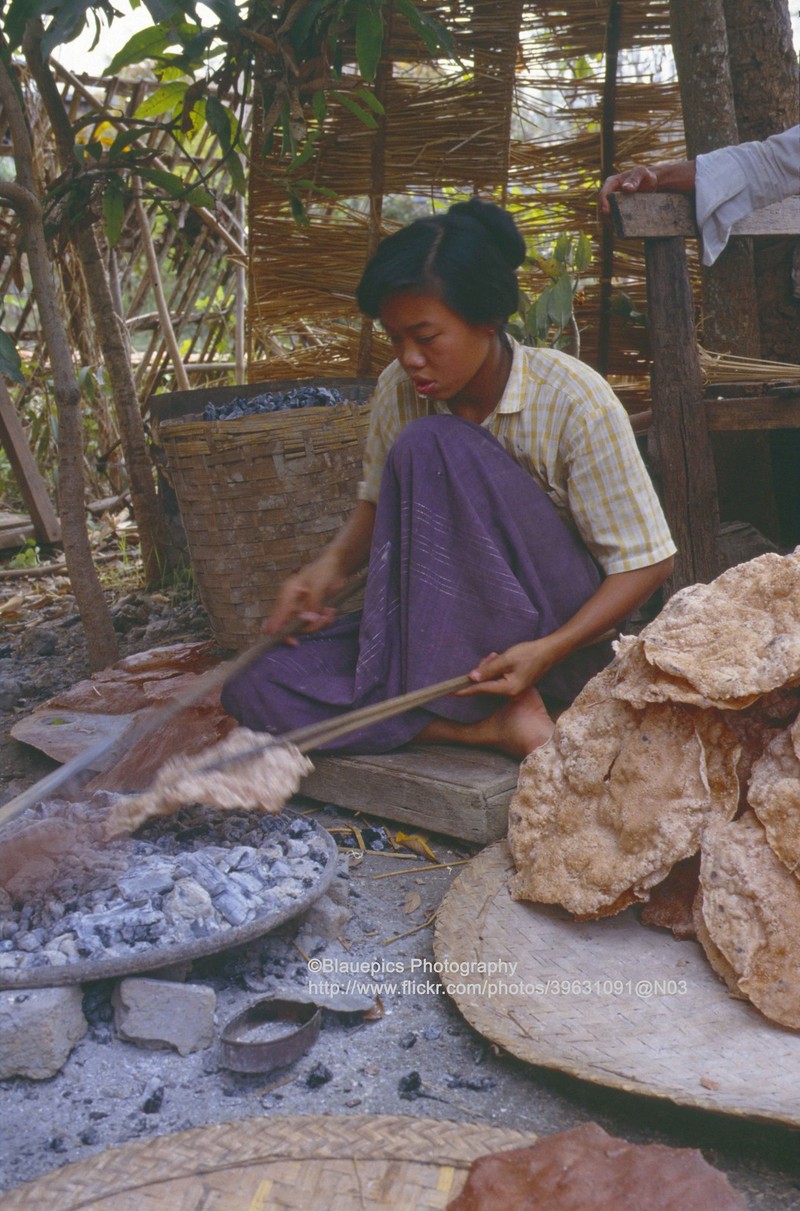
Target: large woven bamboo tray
x=293, y=1163
x=609, y=1001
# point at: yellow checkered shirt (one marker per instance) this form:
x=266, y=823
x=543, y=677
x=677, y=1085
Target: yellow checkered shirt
x=563, y=424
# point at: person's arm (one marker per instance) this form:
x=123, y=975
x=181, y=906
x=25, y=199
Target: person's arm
x=524, y=664
x=675, y=177
x=306, y=592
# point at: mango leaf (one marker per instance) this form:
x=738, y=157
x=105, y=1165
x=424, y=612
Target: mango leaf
x=369, y=38
x=68, y=21
x=583, y=252
x=369, y=98
x=169, y=10
x=148, y=44
x=303, y=25
x=219, y=120
x=165, y=99
x=199, y=196
x=176, y=187
x=363, y=115
x=10, y=362
x=562, y=249
x=559, y=303
x=18, y=13
x=226, y=11
x=319, y=106
x=124, y=138
x=434, y=35
x=234, y=166
x=113, y=210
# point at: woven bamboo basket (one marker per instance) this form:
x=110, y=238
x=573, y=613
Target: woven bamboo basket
x=261, y=495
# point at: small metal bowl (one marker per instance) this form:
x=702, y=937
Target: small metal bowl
x=251, y=1054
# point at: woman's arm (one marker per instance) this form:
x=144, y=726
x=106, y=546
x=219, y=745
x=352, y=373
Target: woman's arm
x=524, y=664
x=306, y=592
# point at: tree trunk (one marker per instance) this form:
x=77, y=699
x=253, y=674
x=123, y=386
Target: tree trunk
x=729, y=320
x=766, y=90
x=100, y=637
x=116, y=354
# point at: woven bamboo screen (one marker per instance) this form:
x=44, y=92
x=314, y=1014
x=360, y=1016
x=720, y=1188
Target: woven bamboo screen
x=513, y=120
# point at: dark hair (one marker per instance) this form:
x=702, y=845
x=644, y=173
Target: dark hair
x=467, y=257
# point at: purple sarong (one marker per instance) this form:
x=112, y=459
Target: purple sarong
x=469, y=556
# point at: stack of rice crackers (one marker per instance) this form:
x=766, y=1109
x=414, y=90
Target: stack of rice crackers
x=687, y=744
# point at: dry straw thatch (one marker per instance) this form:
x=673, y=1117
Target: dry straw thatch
x=518, y=119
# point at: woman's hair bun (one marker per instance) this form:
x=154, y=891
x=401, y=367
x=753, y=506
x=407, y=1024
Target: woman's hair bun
x=498, y=225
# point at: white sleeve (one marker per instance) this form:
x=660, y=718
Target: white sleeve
x=733, y=181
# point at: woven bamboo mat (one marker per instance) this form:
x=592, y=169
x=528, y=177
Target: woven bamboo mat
x=291, y=1163
x=610, y=1001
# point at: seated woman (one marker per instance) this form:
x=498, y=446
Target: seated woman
x=505, y=512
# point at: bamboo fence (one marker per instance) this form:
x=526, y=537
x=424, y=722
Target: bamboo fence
x=519, y=118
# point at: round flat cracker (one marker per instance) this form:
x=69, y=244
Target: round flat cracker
x=751, y=907
x=616, y=797
x=639, y=682
x=774, y=795
x=737, y=636
x=715, y=957
x=757, y=726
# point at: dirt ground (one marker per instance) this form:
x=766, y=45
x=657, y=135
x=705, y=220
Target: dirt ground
x=419, y=1058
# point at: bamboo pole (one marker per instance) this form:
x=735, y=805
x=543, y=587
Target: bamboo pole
x=170, y=339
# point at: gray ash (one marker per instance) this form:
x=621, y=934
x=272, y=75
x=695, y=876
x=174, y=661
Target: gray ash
x=182, y=879
x=274, y=401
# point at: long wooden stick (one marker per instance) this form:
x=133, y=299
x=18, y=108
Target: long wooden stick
x=205, y=684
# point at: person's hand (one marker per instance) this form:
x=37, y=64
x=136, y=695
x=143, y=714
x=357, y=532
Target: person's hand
x=303, y=596
x=633, y=180
x=510, y=672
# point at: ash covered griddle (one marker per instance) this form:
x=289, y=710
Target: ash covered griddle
x=76, y=907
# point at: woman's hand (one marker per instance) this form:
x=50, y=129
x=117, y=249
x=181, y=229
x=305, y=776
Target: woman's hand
x=524, y=664
x=510, y=672
x=303, y=597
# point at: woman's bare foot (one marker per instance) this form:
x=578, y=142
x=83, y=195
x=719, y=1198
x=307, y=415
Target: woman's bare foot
x=517, y=728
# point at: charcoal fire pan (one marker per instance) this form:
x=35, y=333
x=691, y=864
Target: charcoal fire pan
x=83, y=971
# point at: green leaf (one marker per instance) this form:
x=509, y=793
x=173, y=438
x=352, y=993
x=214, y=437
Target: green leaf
x=169, y=10
x=363, y=115
x=165, y=99
x=369, y=38
x=67, y=23
x=220, y=121
x=583, y=252
x=113, y=210
x=124, y=138
x=234, y=166
x=199, y=196
x=302, y=27
x=226, y=11
x=434, y=35
x=562, y=249
x=559, y=302
x=582, y=68
x=369, y=98
x=10, y=361
x=319, y=106
x=147, y=44
x=173, y=185
x=18, y=13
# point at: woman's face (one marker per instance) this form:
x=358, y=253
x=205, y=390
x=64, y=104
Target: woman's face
x=445, y=356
